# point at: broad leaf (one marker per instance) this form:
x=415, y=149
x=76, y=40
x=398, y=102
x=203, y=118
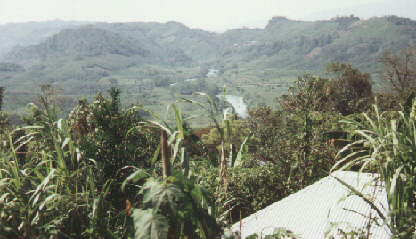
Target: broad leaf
x=161, y=194
x=149, y=225
x=138, y=175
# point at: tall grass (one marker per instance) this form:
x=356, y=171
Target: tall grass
x=49, y=190
x=386, y=144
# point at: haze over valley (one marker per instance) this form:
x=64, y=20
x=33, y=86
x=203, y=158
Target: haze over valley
x=152, y=63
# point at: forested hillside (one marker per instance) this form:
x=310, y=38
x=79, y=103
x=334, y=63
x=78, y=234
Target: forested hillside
x=25, y=34
x=150, y=57
x=135, y=130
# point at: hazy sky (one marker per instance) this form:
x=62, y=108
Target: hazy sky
x=207, y=14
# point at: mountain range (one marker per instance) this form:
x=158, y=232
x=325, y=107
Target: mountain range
x=59, y=51
x=281, y=43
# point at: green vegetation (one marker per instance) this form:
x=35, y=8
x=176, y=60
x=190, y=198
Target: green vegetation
x=97, y=168
x=97, y=174
x=145, y=60
x=386, y=142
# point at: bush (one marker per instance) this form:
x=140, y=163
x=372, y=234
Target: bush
x=114, y=138
x=50, y=193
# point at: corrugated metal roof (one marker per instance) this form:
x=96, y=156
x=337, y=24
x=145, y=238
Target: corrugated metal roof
x=324, y=206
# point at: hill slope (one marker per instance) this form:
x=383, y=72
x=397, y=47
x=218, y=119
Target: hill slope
x=283, y=43
x=152, y=57
x=25, y=34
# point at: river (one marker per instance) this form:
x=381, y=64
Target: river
x=238, y=104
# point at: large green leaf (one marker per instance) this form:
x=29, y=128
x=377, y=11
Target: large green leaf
x=239, y=158
x=149, y=225
x=138, y=175
x=161, y=194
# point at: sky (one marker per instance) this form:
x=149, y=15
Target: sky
x=214, y=15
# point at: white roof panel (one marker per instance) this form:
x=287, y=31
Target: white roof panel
x=321, y=207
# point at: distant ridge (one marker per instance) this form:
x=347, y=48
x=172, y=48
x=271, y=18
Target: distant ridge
x=30, y=33
x=282, y=43
x=150, y=61
x=74, y=53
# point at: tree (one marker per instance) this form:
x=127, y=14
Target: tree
x=112, y=136
x=350, y=91
x=308, y=93
x=400, y=70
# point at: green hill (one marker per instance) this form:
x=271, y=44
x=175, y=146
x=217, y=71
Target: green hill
x=83, y=59
x=30, y=33
x=308, y=46
x=282, y=44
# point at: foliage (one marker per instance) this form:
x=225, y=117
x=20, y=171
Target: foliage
x=351, y=90
x=72, y=178
x=350, y=234
x=175, y=207
x=65, y=171
x=387, y=142
x=296, y=141
x=348, y=92
x=281, y=233
x=250, y=188
x=50, y=193
x=112, y=136
x=389, y=101
x=237, y=133
x=278, y=233
x=103, y=129
x=345, y=21
x=81, y=59
x=307, y=91
x=190, y=86
x=285, y=152
x=284, y=155
x=399, y=69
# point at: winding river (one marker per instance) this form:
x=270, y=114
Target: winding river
x=238, y=104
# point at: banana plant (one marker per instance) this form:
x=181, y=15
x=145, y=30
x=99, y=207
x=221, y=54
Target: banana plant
x=175, y=205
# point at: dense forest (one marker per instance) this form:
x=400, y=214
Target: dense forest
x=103, y=167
